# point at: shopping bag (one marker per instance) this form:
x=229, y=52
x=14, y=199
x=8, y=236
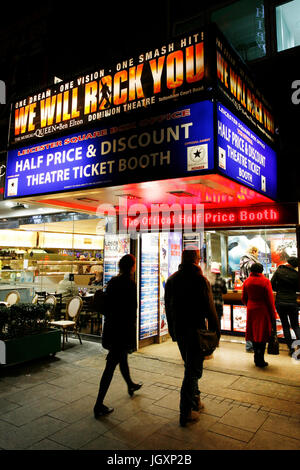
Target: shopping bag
x=273, y=345
x=207, y=341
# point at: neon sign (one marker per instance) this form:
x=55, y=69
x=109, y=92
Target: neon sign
x=213, y=218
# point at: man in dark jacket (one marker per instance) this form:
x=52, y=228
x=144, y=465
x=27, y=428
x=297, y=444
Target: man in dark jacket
x=285, y=282
x=189, y=302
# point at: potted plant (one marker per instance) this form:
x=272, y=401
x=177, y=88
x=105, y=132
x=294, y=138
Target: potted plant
x=25, y=333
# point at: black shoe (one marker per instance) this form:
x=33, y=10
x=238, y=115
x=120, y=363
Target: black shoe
x=102, y=410
x=261, y=364
x=291, y=351
x=134, y=387
x=190, y=417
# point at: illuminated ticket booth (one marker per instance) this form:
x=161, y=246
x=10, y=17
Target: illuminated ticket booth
x=181, y=126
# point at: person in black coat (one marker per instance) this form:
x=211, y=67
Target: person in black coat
x=119, y=330
x=189, y=302
x=285, y=282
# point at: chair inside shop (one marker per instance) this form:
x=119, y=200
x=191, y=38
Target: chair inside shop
x=51, y=300
x=71, y=322
x=35, y=299
x=41, y=296
x=12, y=298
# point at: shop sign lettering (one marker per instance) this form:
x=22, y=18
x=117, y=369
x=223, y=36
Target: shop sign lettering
x=170, y=145
x=173, y=218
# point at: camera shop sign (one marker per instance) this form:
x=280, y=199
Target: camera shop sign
x=171, y=71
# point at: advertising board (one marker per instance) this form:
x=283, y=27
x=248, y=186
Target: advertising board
x=176, y=144
x=165, y=73
x=243, y=156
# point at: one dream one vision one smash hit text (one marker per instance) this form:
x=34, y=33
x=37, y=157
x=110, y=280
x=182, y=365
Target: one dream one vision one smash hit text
x=157, y=75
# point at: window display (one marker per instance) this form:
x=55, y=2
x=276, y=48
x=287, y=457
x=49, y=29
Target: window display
x=226, y=318
x=169, y=260
x=149, y=285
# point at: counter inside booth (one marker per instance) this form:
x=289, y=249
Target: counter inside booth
x=235, y=314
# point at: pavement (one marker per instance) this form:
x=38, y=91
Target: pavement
x=47, y=404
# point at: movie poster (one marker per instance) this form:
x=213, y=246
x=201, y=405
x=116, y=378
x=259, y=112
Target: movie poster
x=282, y=247
x=163, y=276
x=238, y=246
x=115, y=246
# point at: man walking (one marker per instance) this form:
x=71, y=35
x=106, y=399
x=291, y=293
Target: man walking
x=189, y=302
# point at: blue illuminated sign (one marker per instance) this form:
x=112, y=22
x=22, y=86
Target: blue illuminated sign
x=178, y=143
x=243, y=156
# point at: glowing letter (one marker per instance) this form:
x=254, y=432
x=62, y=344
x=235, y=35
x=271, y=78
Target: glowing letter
x=175, y=69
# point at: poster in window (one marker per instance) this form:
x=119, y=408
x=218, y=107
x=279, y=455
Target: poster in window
x=239, y=318
x=149, y=300
x=226, y=318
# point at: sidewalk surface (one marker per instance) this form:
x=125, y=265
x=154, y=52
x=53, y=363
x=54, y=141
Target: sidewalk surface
x=48, y=404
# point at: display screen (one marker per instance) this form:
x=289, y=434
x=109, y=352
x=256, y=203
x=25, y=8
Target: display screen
x=171, y=145
x=243, y=156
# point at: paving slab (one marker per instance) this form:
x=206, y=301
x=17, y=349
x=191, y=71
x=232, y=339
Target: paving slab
x=48, y=404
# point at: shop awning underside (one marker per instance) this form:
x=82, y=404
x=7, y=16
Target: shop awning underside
x=211, y=190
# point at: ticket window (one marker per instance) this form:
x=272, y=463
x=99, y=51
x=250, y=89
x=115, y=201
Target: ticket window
x=227, y=247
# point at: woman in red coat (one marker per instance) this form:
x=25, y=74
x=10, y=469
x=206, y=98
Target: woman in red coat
x=258, y=296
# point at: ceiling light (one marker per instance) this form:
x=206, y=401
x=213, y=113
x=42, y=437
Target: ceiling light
x=181, y=194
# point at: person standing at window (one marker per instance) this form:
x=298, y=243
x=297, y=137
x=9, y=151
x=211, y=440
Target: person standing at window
x=246, y=262
x=285, y=282
x=257, y=295
x=218, y=285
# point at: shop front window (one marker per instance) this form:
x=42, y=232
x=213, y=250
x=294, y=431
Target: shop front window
x=58, y=255
x=288, y=25
x=243, y=23
x=228, y=248
x=232, y=251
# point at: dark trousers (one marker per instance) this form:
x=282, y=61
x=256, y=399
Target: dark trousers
x=193, y=368
x=259, y=352
x=112, y=360
x=289, y=319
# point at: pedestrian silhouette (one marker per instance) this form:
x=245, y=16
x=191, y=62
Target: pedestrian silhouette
x=189, y=303
x=119, y=330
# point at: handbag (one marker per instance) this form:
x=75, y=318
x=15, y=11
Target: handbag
x=207, y=341
x=273, y=345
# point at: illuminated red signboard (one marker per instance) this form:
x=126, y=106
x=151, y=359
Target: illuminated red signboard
x=212, y=218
